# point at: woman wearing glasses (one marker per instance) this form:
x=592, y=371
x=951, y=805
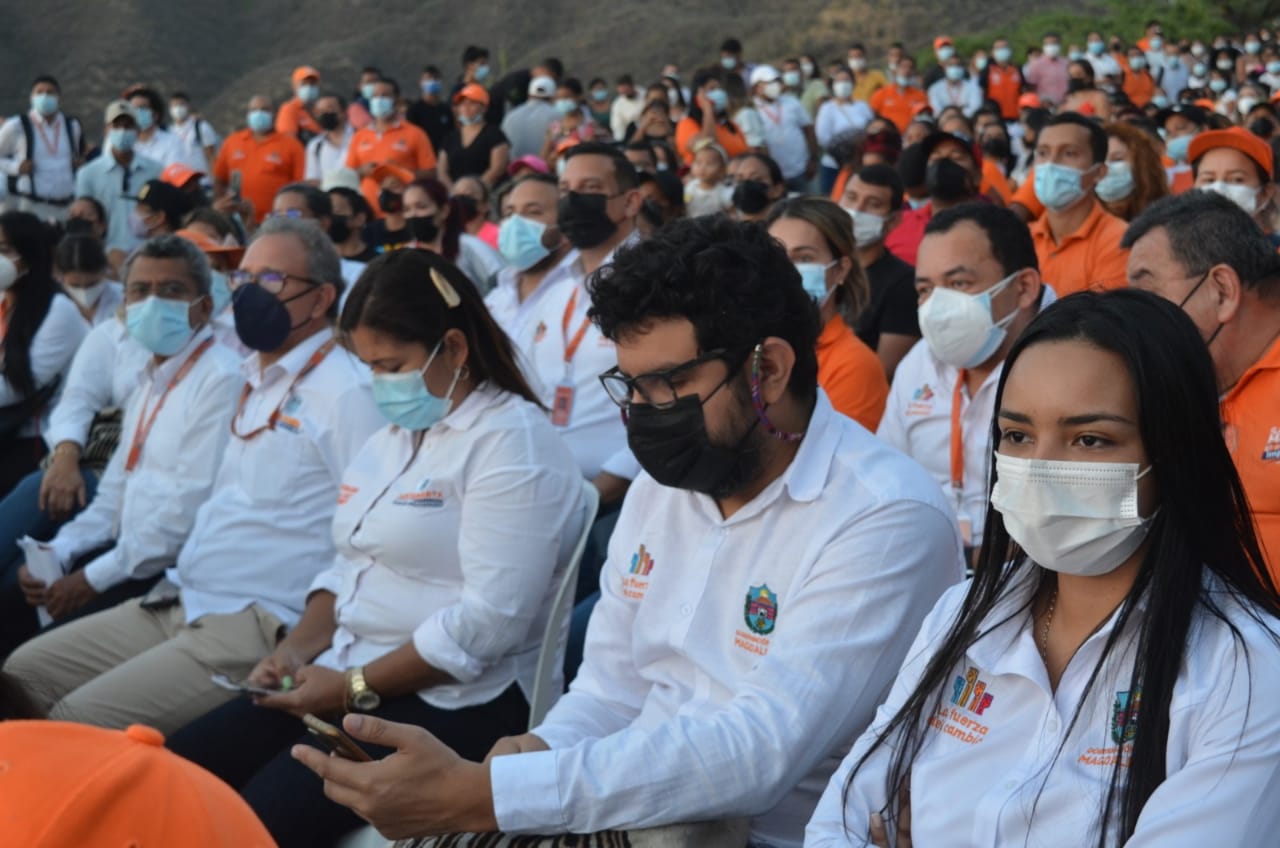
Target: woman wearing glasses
x=1111, y=675
x=452, y=527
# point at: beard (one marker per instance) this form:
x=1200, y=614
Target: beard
x=744, y=439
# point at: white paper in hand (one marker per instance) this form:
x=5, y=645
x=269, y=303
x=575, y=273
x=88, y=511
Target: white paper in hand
x=43, y=565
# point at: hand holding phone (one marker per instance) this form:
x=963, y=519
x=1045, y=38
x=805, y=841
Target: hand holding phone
x=243, y=688
x=334, y=740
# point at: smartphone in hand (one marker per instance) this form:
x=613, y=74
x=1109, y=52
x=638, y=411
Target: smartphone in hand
x=334, y=740
x=243, y=688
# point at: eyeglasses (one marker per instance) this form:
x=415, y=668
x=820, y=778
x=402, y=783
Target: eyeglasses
x=271, y=282
x=657, y=388
x=165, y=290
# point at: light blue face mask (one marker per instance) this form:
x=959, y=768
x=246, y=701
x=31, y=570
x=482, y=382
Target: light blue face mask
x=382, y=107
x=813, y=276
x=161, y=326
x=1117, y=184
x=404, y=399
x=520, y=242
x=220, y=291
x=121, y=139
x=143, y=116
x=1057, y=186
x=728, y=63
x=1177, y=147
x=366, y=90
x=565, y=105
x=719, y=99
x=259, y=120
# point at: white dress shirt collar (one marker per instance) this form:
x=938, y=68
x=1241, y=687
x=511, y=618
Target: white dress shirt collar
x=291, y=363
x=163, y=372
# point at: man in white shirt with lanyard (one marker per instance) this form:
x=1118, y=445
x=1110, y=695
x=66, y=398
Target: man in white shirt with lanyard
x=241, y=579
x=762, y=583
x=979, y=286
x=40, y=152
x=173, y=436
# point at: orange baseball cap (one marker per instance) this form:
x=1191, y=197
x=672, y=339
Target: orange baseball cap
x=207, y=244
x=471, y=91
x=303, y=72
x=1030, y=100
x=387, y=169
x=72, y=784
x=941, y=41
x=1237, y=138
x=179, y=175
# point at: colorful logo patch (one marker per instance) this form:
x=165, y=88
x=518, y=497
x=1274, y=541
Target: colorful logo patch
x=424, y=495
x=968, y=691
x=761, y=610
x=641, y=562
x=923, y=394
x=1271, y=453
x=1124, y=716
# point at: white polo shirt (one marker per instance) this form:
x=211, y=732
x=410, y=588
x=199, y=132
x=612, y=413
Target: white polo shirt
x=149, y=511
x=264, y=534
x=993, y=748
x=495, y=496
x=729, y=660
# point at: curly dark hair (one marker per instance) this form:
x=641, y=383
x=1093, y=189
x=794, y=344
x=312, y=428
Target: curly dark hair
x=730, y=279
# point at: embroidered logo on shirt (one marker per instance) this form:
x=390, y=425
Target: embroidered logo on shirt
x=921, y=401
x=969, y=697
x=423, y=495
x=633, y=584
x=540, y=333
x=1124, y=716
x=970, y=692
x=1271, y=453
x=761, y=610
x=345, y=493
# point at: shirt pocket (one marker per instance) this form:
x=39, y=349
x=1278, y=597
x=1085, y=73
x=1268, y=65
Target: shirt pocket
x=273, y=469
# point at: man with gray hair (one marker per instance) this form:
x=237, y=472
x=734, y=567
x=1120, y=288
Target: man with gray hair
x=241, y=578
x=1206, y=254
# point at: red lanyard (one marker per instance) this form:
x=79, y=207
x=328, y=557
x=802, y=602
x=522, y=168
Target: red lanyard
x=571, y=347
x=143, y=429
x=957, y=442
x=316, y=359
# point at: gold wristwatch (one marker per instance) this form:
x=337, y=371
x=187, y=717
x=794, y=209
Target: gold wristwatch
x=359, y=695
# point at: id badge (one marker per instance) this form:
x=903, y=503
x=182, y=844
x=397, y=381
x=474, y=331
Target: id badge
x=562, y=405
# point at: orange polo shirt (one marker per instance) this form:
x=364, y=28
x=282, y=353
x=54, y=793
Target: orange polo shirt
x=1140, y=87
x=994, y=182
x=733, y=143
x=851, y=374
x=1089, y=258
x=266, y=165
x=293, y=116
x=1026, y=195
x=1004, y=86
x=401, y=144
x=897, y=105
x=1251, y=425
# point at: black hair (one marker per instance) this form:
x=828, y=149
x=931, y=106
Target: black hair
x=728, y=278
x=1206, y=229
x=597, y=81
x=433, y=70
x=154, y=102
x=625, y=79
x=80, y=253
x=98, y=208
x=731, y=45
x=771, y=164
x=1097, y=135
x=641, y=147
x=857, y=45
x=317, y=201
x=1010, y=238
x=554, y=65
x=396, y=295
x=33, y=291
x=913, y=165
x=371, y=69
x=342, y=101
x=1203, y=526
x=395, y=86
x=624, y=171
x=47, y=79
x=474, y=53
x=573, y=84
x=359, y=206
x=179, y=95
x=884, y=176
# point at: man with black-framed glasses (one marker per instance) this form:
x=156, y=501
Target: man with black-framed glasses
x=766, y=578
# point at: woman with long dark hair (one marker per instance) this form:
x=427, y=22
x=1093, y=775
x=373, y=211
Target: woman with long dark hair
x=453, y=524
x=435, y=222
x=1111, y=675
x=40, y=329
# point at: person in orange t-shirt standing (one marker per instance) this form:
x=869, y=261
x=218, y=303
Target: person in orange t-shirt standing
x=1203, y=252
x=256, y=162
x=294, y=117
x=819, y=240
x=900, y=100
x=1077, y=241
x=389, y=140
x=1001, y=80
x=1139, y=85
x=709, y=118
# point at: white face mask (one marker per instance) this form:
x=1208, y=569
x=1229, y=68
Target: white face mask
x=868, y=228
x=960, y=329
x=8, y=273
x=1076, y=518
x=1246, y=197
x=88, y=296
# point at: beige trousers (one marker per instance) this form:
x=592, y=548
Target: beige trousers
x=129, y=665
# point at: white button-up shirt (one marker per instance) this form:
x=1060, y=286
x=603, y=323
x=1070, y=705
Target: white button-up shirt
x=264, y=534
x=1004, y=742
x=192, y=149
x=595, y=432
x=325, y=157
x=149, y=511
x=457, y=545
x=104, y=375
x=729, y=661
x=163, y=147
x=54, y=176
x=51, y=350
x=514, y=315
x=108, y=182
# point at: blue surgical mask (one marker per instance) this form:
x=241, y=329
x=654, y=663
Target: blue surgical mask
x=259, y=120
x=404, y=399
x=1177, y=147
x=1057, y=186
x=1117, y=184
x=813, y=276
x=220, y=291
x=1096, y=48
x=160, y=325
x=728, y=63
x=308, y=93
x=565, y=105
x=144, y=117
x=366, y=90
x=1218, y=86
x=1002, y=54
x=955, y=73
x=1160, y=101
x=382, y=107
x=45, y=104
x=482, y=73
x=520, y=242
x=432, y=87
x=719, y=99
x=122, y=139
x=945, y=53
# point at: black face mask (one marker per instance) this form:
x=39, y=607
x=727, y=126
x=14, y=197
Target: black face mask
x=751, y=196
x=584, y=219
x=673, y=446
x=390, y=201
x=262, y=322
x=996, y=147
x=339, y=228
x=422, y=229
x=1074, y=85
x=947, y=181
x=78, y=227
x=329, y=120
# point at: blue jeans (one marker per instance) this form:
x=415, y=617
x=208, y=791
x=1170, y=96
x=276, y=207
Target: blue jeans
x=20, y=515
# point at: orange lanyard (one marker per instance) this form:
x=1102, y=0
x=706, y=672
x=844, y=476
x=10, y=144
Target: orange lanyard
x=316, y=359
x=57, y=138
x=571, y=347
x=143, y=429
x=4, y=315
x=957, y=442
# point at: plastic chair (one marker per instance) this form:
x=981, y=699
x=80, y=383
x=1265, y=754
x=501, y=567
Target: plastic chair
x=554, y=637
